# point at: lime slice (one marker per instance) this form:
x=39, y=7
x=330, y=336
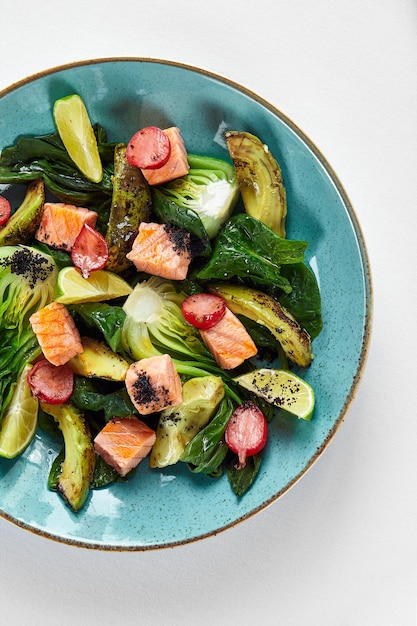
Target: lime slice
x=20, y=419
x=282, y=389
x=101, y=285
x=77, y=134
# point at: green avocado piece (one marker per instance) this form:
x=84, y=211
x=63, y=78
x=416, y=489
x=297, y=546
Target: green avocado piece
x=260, y=180
x=265, y=310
x=22, y=225
x=78, y=466
x=178, y=425
x=131, y=204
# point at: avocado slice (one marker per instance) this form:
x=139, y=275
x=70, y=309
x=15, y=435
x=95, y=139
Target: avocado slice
x=178, y=425
x=260, y=180
x=265, y=310
x=98, y=361
x=78, y=465
x=22, y=225
x=131, y=203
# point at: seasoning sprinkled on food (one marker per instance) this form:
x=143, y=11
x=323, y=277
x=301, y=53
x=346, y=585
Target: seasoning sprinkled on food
x=29, y=264
x=153, y=384
x=162, y=250
x=180, y=238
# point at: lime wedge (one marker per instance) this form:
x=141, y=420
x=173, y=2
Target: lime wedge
x=77, y=134
x=20, y=419
x=101, y=285
x=282, y=389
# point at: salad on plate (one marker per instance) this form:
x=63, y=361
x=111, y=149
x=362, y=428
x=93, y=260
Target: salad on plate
x=152, y=308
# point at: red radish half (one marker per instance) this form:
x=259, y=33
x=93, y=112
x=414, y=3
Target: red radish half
x=149, y=148
x=246, y=432
x=5, y=210
x=51, y=383
x=203, y=310
x=90, y=251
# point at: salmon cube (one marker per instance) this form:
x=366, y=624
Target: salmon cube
x=61, y=223
x=229, y=341
x=177, y=164
x=56, y=333
x=124, y=442
x=161, y=249
x=153, y=384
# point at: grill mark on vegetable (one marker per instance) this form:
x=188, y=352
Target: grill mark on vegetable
x=291, y=324
x=145, y=393
x=33, y=267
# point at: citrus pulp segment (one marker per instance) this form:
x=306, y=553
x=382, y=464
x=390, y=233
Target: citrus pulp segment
x=101, y=285
x=77, y=134
x=20, y=419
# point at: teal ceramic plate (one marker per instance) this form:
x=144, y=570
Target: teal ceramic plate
x=161, y=508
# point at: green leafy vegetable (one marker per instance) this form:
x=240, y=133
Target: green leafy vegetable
x=27, y=283
x=304, y=300
x=207, y=450
x=104, y=474
x=210, y=190
x=242, y=479
x=249, y=249
x=88, y=396
x=107, y=318
x=169, y=212
x=45, y=157
x=155, y=325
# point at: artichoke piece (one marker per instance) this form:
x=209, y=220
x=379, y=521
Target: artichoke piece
x=22, y=225
x=268, y=312
x=260, y=180
x=178, y=425
x=78, y=466
x=131, y=204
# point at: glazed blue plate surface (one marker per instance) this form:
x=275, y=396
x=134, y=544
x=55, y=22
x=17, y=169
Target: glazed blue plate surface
x=163, y=508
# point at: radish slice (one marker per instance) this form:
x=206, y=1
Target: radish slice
x=90, y=251
x=203, y=310
x=5, y=210
x=149, y=148
x=51, y=383
x=246, y=431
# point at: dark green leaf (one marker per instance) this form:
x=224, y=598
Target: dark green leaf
x=207, y=450
x=169, y=212
x=88, y=396
x=56, y=470
x=104, y=474
x=248, y=249
x=107, y=318
x=61, y=258
x=304, y=301
x=46, y=157
x=241, y=479
x=48, y=424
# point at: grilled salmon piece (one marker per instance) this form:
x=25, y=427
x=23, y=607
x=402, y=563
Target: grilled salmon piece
x=177, y=164
x=124, y=442
x=161, y=249
x=61, y=224
x=56, y=333
x=153, y=384
x=229, y=341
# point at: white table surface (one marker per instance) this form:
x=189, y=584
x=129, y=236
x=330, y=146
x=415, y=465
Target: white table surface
x=340, y=548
